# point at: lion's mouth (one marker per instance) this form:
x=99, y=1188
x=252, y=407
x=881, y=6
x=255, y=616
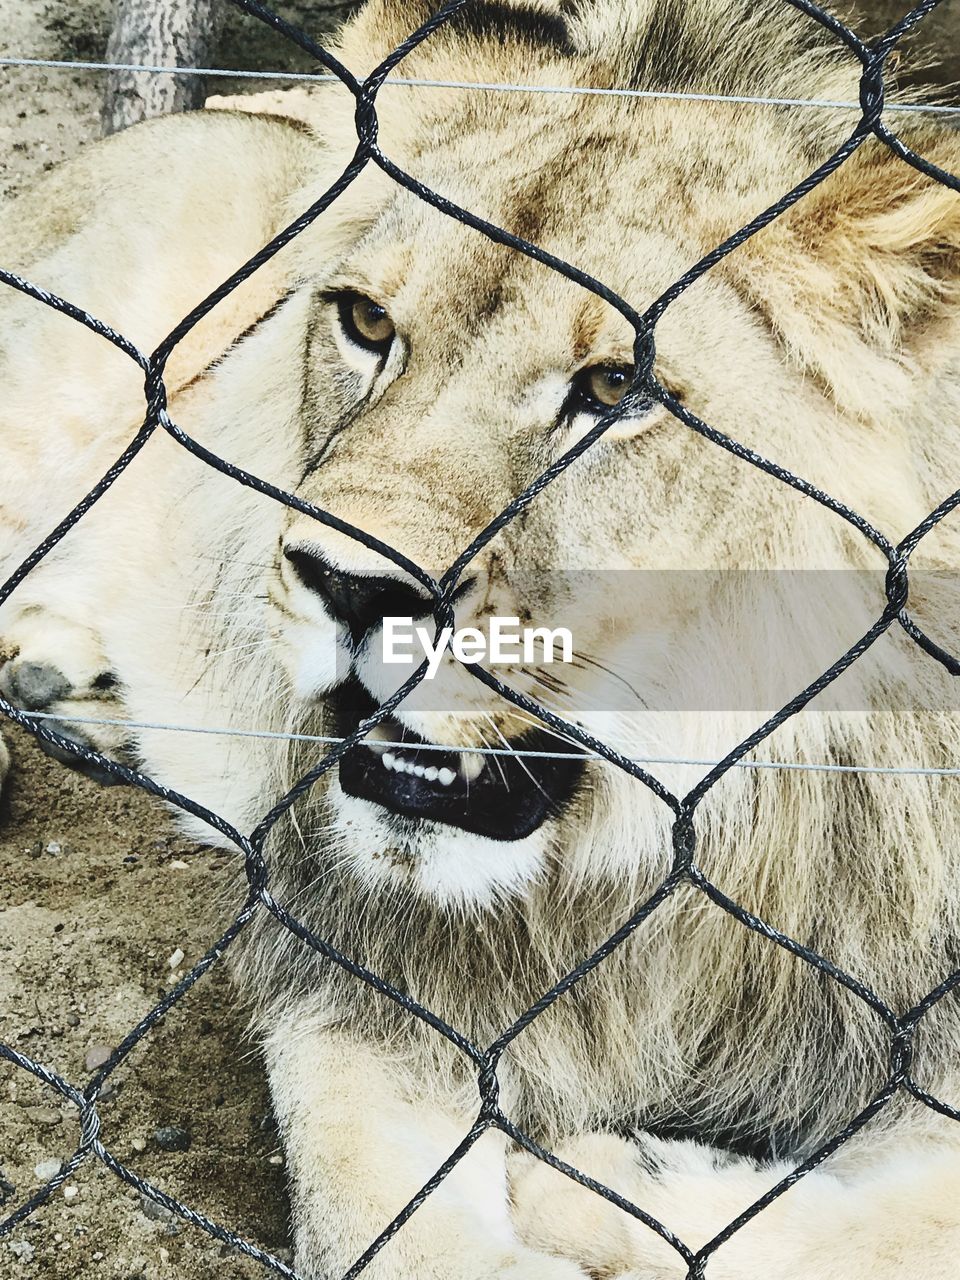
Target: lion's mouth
x=504, y=797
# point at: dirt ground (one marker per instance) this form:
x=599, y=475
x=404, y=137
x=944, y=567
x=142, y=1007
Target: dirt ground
x=97, y=893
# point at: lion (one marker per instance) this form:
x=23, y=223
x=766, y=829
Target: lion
x=411, y=375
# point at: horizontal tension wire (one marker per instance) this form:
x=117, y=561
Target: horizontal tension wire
x=912, y=771
x=743, y=100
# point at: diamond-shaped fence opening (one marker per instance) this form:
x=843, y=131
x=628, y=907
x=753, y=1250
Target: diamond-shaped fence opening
x=899, y=1026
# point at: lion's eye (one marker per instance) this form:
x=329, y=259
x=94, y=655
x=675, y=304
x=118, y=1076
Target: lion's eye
x=600, y=387
x=366, y=322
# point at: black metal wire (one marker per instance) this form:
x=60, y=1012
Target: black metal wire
x=683, y=870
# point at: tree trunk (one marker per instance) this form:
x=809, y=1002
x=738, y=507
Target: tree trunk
x=181, y=33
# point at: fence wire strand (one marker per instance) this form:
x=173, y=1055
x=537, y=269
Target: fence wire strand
x=483, y=86
x=519, y=753
x=684, y=870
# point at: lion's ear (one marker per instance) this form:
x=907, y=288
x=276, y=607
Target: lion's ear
x=862, y=278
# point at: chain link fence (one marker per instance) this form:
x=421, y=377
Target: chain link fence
x=901, y=1025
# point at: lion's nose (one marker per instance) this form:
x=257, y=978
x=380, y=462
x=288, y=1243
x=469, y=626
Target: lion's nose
x=360, y=600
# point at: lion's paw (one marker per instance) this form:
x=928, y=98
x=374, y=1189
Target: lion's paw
x=447, y=1264
x=69, y=687
x=541, y=1266
x=552, y=1212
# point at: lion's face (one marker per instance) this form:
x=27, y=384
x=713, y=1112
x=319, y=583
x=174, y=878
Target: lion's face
x=444, y=373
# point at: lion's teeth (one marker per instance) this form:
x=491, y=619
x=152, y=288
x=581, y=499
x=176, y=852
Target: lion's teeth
x=430, y=773
x=471, y=766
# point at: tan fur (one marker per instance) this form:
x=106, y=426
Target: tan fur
x=829, y=343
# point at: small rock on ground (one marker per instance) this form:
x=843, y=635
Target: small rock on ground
x=46, y=1116
x=96, y=1056
x=172, y=1138
x=154, y=1211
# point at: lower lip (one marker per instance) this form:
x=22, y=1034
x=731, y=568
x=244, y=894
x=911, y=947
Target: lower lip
x=506, y=807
